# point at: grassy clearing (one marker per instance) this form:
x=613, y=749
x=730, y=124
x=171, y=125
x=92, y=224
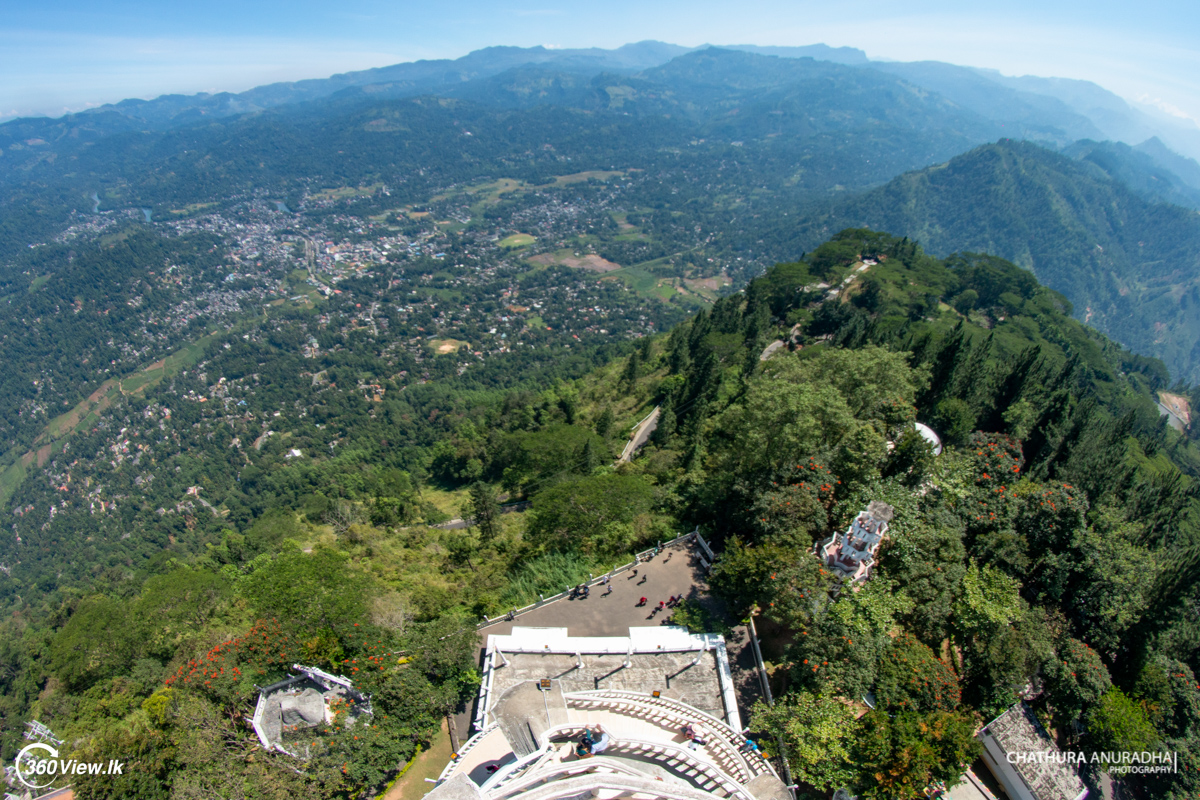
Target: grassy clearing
x=548, y=574
x=426, y=764
x=342, y=192
x=191, y=208
x=580, y=177
x=640, y=281
x=517, y=240
x=443, y=347
x=663, y=290
x=70, y=422
x=484, y=192
x=10, y=479
x=135, y=384
x=110, y=239
x=449, y=503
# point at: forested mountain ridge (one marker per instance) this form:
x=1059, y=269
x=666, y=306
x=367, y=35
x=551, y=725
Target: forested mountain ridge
x=705, y=86
x=1040, y=550
x=1131, y=266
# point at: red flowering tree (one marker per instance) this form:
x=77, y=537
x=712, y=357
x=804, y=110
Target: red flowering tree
x=1050, y=514
x=795, y=510
x=228, y=671
x=912, y=677
x=1076, y=679
x=994, y=468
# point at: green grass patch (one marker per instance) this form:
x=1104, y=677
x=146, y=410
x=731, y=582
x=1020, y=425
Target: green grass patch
x=342, y=192
x=410, y=784
x=548, y=575
x=580, y=177
x=110, y=239
x=449, y=503
x=131, y=385
x=191, y=208
x=636, y=278
x=664, y=291
x=517, y=240
x=10, y=480
x=535, y=322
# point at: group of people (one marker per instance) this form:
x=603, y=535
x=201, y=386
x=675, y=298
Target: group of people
x=663, y=605
x=592, y=744
x=695, y=735
x=581, y=591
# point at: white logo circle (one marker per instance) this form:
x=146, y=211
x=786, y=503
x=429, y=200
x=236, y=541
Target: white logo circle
x=30, y=766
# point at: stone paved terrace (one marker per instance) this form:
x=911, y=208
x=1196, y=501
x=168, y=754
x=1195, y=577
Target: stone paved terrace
x=675, y=571
x=671, y=673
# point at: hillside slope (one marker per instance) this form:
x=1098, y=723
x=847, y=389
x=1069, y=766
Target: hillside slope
x=1130, y=266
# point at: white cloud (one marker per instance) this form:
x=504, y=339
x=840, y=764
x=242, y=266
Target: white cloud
x=1164, y=106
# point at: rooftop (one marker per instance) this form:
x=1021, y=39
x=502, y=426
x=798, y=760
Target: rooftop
x=528, y=750
x=692, y=668
x=852, y=554
x=1017, y=731
x=305, y=701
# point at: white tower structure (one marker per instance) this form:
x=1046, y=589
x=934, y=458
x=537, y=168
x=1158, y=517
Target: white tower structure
x=660, y=702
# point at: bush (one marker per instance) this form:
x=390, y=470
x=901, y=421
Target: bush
x=593, y=515
x=1119, y=724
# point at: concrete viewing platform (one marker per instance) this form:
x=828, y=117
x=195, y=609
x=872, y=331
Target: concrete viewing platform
x=678, y=570
x=664, y=707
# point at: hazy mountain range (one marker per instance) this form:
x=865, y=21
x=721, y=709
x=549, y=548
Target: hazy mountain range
x=791, y=143
x=1054, y=108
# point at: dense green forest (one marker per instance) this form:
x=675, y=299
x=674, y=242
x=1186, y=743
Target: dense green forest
x=1050, y=552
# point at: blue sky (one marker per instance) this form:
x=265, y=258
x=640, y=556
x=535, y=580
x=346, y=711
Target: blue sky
x=63, y=55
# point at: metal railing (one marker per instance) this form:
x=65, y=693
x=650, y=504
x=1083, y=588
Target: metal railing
x=592, y=784
x=765, y=679
x=468, y=746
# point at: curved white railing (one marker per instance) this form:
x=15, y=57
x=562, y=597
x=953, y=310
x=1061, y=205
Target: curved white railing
x=754, y=762
x=457, y=758
x=620, y=785
x=681, y=759
x=727, y=754
x=562, y=770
